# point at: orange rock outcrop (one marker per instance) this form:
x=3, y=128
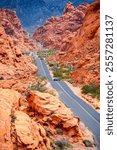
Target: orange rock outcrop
x=78, y=41
x=9, y=100
x=43, y=119
x=13, y=28
x=52, y=33
x=54, y=114
x=17, y=129
x=15, y=68
x=83, y=49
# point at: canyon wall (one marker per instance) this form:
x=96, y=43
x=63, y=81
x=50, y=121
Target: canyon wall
x=76, y=39
x=13, y=41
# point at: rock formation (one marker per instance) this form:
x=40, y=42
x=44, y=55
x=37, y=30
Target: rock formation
x=35, y=12
x=9, y=100
x=27, y=134
x=52, y=33
x=31, y=119
x=54, y=114
x=83, y=49
x=17, y=129
x=13, y=28
x=76, y=37
x=13, y=64
x=35, y=125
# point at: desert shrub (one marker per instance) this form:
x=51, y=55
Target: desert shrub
x=37, y=87
x=51, y=113
x=51, y=65
x=13, y=118
x=52, y=52
x=58, y=73
x=59, y=131
x=91, y=89
x=43, y=78
x=47, y=133
x=52, y=92
x=88, y=143
x=62, y=145
x=39, y=53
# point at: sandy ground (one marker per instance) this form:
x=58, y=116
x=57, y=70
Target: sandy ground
x=95, y=103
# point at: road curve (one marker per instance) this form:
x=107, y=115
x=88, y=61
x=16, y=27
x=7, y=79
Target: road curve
x=87, y=114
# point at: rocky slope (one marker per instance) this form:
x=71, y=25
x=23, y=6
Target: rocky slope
x=14, y=65
x=13, y=28
x=76, y=39
x=37, y=123
x=34, y=13
x=52, y=33
x=83, y=49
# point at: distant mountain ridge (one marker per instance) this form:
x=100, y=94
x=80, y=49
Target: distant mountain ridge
x=34, y=13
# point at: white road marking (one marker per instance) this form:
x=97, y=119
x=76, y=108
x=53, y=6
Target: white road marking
x=42, y=68
x=70, y=96
x=77, y=103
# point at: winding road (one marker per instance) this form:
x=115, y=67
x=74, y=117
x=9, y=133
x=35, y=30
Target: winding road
x=87, y=114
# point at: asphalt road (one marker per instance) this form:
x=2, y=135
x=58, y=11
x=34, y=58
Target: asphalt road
x=87, y=114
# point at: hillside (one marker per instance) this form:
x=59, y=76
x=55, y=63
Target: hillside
x=13, y=41
x=55, y=29
x=35, y=12
x=75, y=36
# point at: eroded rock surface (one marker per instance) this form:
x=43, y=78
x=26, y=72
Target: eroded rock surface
x=52, y=33
x=28, y=134
x=13, y=28
x=9, y=100
x=38, y=124
x=75, y=36
x=54, y=114
x=13, y=64
x=82, y=49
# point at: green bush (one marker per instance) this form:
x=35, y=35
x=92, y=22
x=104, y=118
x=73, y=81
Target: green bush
x=59, y=131
x=62, y=145
x=51, y=65
x=43, y=78
x=88, y=143
x=91, y=89
x=39, y=53
x=52, y=52
x=37, y=87
x=58, y=73
x=13, y=118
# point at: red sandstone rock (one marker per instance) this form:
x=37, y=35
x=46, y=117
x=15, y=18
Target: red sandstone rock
x=9, y=100
x=13, y=28
x=54, y=113
x=29, y=134
x=13, y=65
x=76, y=36
x=55, y=29
x=17, y=129
x=82, y=49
